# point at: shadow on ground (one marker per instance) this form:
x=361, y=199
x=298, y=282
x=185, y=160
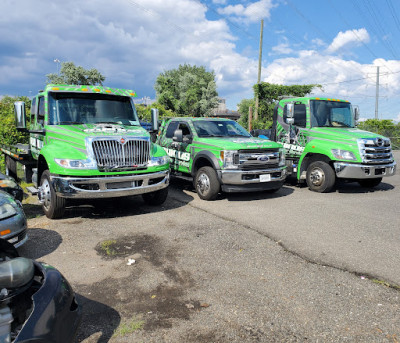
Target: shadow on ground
x=41, y=242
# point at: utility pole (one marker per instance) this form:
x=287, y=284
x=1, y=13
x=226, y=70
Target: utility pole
x=377, y=93
x=259, y=68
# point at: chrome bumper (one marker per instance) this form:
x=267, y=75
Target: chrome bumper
x=363, y=171
x=241, y=177
x=109, y=186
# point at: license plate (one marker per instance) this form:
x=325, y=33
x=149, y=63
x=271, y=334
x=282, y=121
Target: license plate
x=265, y=177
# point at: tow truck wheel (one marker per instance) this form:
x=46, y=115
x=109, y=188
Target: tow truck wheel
x=53, y=205
x=370, y=183
x=155, y=198
x=206, y=183
x=320, y=177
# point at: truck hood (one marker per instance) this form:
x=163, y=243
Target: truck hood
x=101, y=129
x=238, y=143
x=348, y=135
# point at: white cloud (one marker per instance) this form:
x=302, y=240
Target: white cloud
x=348, y=39
x=219, y=2
x=250, y=13
x=282, y=48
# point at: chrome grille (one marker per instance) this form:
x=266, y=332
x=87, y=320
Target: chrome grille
x=257, y=159
x=375, y=150
x=121, y=154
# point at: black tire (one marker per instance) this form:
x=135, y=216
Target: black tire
x=206, y=183
x=156, y=198
x=370, y=183
x=53, y=205
x=320, y=177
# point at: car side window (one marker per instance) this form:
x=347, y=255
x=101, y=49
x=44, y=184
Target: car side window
x=173, y=125
x=300, y=115
x=33, y=111
x=41, y=112
x=185, y=129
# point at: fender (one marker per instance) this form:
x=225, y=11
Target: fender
x=209, y=156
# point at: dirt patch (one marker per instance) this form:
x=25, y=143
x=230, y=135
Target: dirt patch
x=155, y=289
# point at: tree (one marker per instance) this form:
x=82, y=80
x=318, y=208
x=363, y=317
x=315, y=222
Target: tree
x=188, y=90
x=71, y=74
x=269, y=94
x=8, y=130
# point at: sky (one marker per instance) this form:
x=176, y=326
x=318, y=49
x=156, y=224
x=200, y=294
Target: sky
x=335, y=43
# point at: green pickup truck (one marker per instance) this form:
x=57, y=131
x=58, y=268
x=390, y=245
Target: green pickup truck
x=86, y=142
x=219, y=154
x=323, y=144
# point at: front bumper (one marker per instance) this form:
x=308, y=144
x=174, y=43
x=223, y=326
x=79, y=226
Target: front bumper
x=248, y=180
x=109, y=186
x=363, y=171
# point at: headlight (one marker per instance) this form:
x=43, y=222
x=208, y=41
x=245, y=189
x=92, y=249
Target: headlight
x=344, y=155
x=76, y=164
x=282, y=158
x=7, y=210
x=228, y=158
x=158, y=161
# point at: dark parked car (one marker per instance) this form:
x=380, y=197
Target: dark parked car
x=13, y=223
x=37, y=304
x=8, y=184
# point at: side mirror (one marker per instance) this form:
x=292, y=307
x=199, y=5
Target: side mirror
x=154, y=119
x=20, y=115
x=290, y=114
x=356, y=113
x=178, y=136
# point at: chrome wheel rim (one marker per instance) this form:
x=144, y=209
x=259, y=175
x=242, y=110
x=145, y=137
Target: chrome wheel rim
x=46, y=194
x=317, y=177
x=203, y=184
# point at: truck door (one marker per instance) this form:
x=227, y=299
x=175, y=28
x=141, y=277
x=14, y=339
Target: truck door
x=296, y=139
x=37, y=123
x=177, y=151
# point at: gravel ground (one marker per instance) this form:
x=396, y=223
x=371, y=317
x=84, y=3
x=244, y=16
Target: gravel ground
x=201, y=277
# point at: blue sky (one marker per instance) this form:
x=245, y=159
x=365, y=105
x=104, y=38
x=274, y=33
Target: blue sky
x=338, y=44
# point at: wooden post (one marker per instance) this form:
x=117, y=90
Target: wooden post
x=250, y=117
x=259, y=68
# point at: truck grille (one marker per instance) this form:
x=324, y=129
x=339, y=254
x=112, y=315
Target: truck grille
x=121, y=154
x=257, y=159
x=375, y=150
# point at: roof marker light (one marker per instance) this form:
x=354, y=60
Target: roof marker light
x=55, y=89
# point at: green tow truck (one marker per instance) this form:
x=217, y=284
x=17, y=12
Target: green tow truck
x=86, y=142
x=219, y=154
x=323, y=144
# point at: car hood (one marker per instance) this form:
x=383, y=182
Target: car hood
x=238, y=143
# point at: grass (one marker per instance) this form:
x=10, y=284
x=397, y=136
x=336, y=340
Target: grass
x=107, y=247
x=129, y=326
x=386, y=284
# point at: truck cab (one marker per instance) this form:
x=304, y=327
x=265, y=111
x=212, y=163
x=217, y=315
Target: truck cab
x=86, y=142
x=322, y=143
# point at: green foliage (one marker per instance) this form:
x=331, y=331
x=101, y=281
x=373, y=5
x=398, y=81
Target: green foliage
x=144, y=112
x=8, y=131
x=187, y=91
x=269, y=94
x=71, y=74
x=384, y=127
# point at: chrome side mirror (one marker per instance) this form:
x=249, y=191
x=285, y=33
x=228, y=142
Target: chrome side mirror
x=20, y=115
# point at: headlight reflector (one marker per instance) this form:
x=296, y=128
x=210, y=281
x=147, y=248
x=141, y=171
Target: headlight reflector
x=344, y=155
x=7, y=210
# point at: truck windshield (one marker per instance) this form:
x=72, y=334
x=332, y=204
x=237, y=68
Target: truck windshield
x=77, y=108
x=325, y=113
x=219, y=128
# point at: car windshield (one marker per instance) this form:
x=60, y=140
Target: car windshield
x=219, y=128
x=77, y=108
x=326, y=113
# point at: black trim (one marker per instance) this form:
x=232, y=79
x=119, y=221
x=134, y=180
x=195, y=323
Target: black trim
x=207, y=155
x=252, y=187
